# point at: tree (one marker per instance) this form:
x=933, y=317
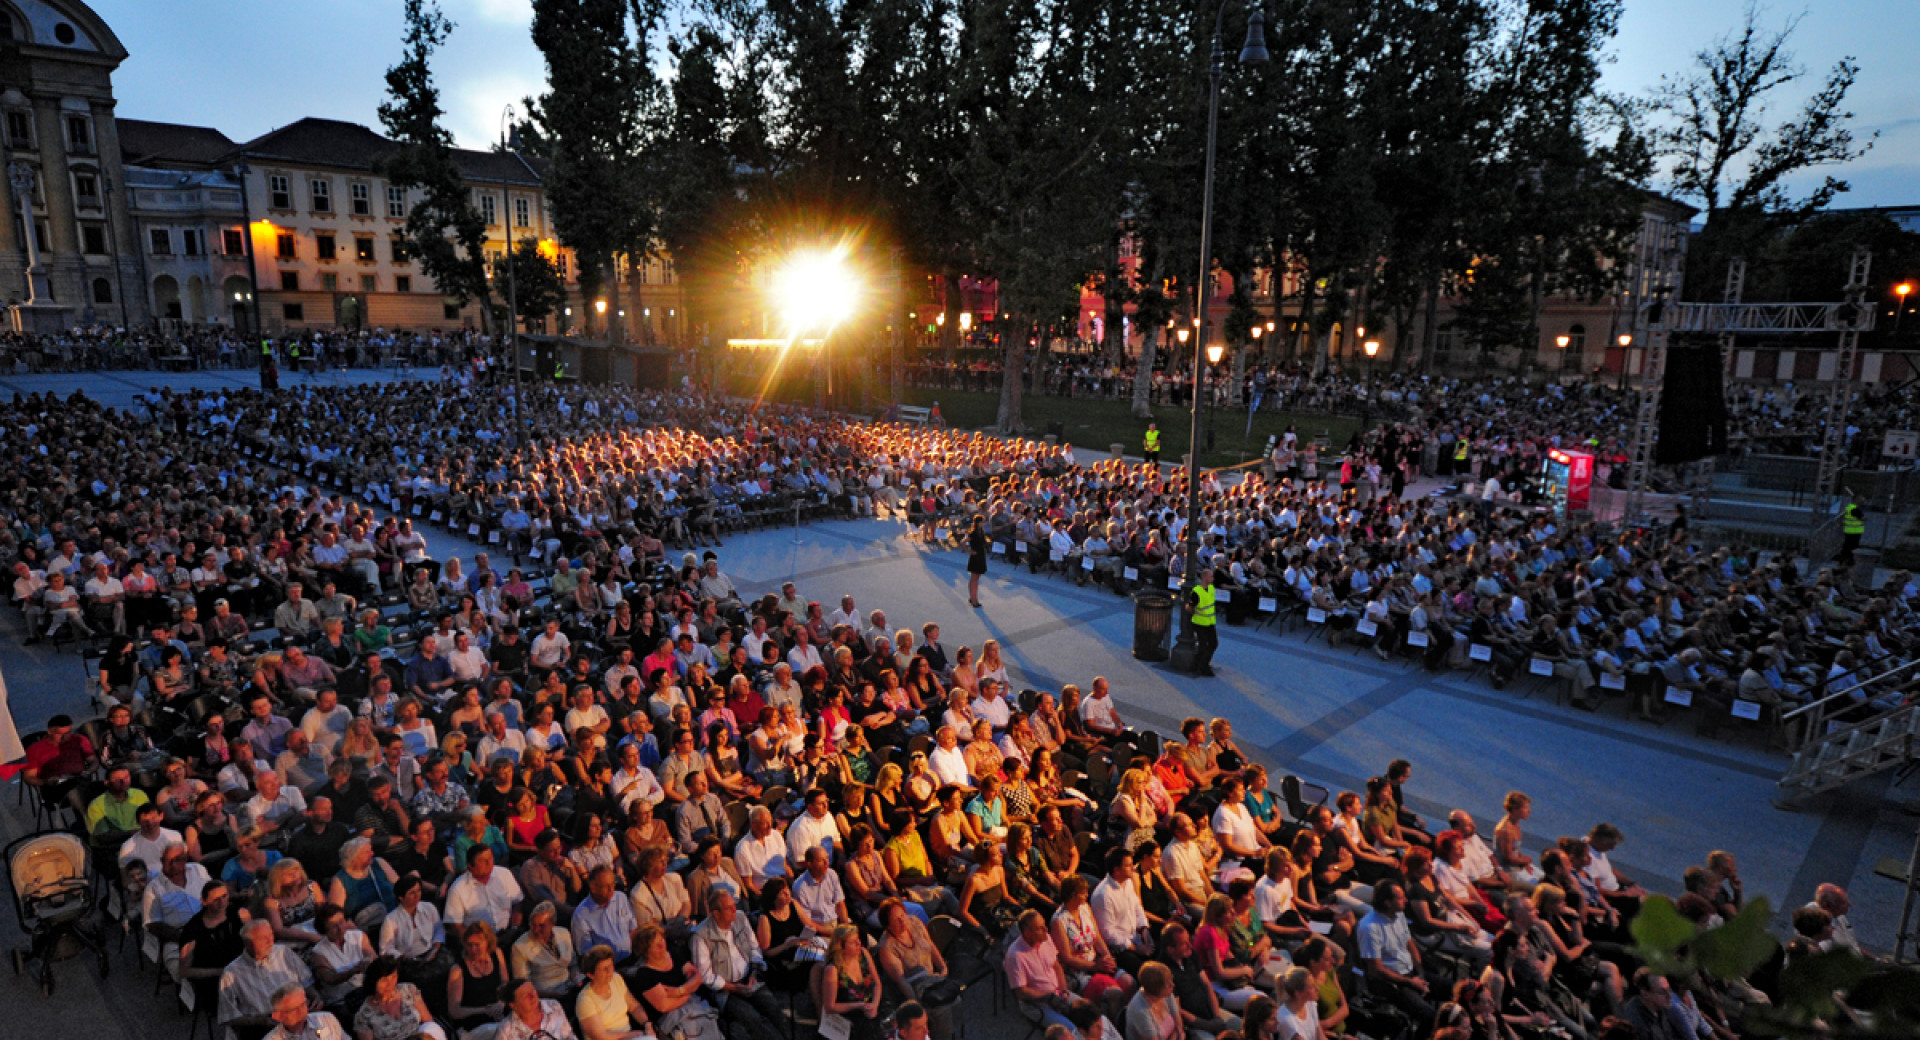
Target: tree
x=538, y=288
x=600, y=86
x=1723, y=156
x=445, y=232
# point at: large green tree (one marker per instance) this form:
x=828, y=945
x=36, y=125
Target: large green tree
x=600, y=89
x=445, y=231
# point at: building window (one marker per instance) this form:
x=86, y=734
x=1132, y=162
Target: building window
x=363, y=248
x=666, y=272
x=369, y=283
x=362, y=197
x=79, y=136
x=293, y=312
x=329, y=282
x=402, y=252
x=162, y=240
x=289, y=281
x=450, y=311
x=324, y=244
x=19, y=130
x=286, y=250
x=192, y=242
x=102, y=291
x=279, y=192
x=561, y=259
x=1443, y=344
x=402, y=283
x=232, y=243
x=322, y=192
x=396, y=202
x=86, y=189
x=522, y=213
x=1577, y=341
x=486, y=209
x=93, y=239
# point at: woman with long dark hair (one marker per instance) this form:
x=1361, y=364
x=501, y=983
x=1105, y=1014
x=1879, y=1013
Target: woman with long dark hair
x=976, y=559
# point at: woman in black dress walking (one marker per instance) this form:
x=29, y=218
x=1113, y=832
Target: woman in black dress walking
x=976, y=559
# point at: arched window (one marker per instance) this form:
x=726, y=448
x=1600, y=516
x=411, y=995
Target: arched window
x=1577, y=340
x=102, y=291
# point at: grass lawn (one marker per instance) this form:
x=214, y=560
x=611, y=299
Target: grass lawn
x=1093, y=425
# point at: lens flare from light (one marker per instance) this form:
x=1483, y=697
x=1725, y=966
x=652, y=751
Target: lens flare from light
x=816, y=290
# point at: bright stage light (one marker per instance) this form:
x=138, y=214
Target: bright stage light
x=816, y=290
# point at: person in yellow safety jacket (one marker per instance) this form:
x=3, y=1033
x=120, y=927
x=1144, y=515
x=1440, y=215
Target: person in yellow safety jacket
x=1206, y=630
x=1151, y=449
x=1853, y=525
x=1460, y=448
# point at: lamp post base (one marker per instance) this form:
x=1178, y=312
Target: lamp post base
x=1186, y=650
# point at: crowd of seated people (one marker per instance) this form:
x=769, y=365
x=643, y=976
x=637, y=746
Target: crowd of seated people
x=414, y=793
x=781, y=816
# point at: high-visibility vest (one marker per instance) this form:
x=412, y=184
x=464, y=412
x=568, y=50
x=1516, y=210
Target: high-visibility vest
x=1153, y=440
x=1851, y=522
x=1203, y=597
x=1460, y=451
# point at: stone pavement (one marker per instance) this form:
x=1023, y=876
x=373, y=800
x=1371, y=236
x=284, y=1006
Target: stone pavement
x=1328, y=714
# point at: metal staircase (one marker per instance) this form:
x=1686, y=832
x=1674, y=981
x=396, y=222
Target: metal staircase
x=1834, y=751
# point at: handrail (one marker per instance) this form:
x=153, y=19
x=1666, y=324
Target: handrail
x=1856, y=686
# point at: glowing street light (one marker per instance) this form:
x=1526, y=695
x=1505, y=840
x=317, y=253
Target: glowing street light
x=1373, y=347
x=1903, y=289
x=816, y=290
x=966, y=320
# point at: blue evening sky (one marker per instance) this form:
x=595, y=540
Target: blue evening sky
x=246, y=67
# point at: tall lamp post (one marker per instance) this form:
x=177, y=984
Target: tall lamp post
x=1253, y=51
x=506, y=226
x=1563, y=341
x=1902, y=289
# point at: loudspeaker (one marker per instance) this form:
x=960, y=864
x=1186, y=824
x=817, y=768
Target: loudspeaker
x=1693, y=407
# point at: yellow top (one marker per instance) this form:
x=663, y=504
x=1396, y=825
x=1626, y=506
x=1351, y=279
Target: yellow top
x=1203, y=596
x=1153, y=440
x=1460, y=450
x=1851, y=522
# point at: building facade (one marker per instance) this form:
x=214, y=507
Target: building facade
x=58, y=138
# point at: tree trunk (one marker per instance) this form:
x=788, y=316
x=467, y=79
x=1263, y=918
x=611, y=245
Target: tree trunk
x=1236, y=391
x=1116, y=330
x=950, y=325
x=1011, y=370
x=1430, y=333
x=1143, y=374
x=1304, y=341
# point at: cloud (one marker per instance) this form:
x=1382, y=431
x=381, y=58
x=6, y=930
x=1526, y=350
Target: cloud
x=474, y=104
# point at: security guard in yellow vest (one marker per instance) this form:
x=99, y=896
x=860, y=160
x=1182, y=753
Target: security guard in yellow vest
x=1853, y=524
x=1203, y=602
x=1151, y=450
x=1460, y=457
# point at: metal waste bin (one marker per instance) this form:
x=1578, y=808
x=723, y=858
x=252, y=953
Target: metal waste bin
x=1057, y=429
x=1152, y=623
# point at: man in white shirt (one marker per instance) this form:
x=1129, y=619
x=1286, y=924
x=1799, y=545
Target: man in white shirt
x=761, y=853
x=151, y=840
x=171, y=899
x=948, y=762
x=484, y=893
x=468, y=663
x=813, y=829
x=634, y=782
x=756, y=638
x=1273, y=900
x=1119, y=916
x=107, y=596
x=274, y=803
x=848, y=615
x=412, y=931
x=1098, y=711
x=803, y=655
x=325, y=724
x=551, y=647
x=992, y=705
x=1185, y=863
x=604, y=917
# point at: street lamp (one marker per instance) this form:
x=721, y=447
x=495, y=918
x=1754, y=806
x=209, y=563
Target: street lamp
x=1562, y=341
x=1903, y=289
x=1215, y=351
x=1253, y=51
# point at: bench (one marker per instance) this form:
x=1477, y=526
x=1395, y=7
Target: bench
x=915, y=414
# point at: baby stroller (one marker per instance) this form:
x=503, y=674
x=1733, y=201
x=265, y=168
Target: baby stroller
x=53, y=901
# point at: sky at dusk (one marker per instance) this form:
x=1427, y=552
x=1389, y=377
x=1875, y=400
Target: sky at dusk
x=246, y=67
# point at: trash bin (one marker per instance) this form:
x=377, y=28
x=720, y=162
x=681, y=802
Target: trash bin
x=1240, y=606
x=1152, y=623
x=1865, y=562
x=1057, y=429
